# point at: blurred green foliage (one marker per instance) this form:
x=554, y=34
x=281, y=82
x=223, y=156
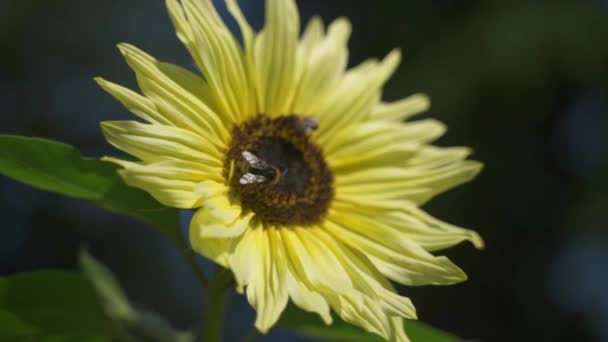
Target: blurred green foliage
x=50, y=305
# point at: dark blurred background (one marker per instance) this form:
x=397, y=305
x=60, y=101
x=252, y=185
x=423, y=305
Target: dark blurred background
x=525, y=83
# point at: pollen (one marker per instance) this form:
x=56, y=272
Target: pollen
x=279, y=174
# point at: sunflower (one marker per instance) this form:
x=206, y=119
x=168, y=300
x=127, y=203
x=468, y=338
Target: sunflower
x=306, y=185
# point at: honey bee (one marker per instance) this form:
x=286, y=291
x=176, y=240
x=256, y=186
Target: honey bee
x=258, y=171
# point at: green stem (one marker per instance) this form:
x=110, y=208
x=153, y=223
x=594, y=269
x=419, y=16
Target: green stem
x=217, y=297
x=191, y=258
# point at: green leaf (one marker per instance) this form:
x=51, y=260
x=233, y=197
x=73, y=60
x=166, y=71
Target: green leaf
x=75, y=338
x=59, y=168
x=11, y=327
x=51, y=303
x=113, y=299
x=131, y=324
x=419, y=331
x=310, y=325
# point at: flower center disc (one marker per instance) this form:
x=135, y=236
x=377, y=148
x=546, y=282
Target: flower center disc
x=277, y=172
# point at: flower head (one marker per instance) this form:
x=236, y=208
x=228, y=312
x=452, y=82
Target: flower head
x=305, y=183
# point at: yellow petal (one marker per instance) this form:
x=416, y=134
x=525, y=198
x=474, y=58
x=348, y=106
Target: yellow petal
x=362, y=203
x=402, y=109
x=417, y=186
x=352, y=100
x=430, y=233
x=210, y=228
x=399, y=259
x=241, y=261
x=398, y=333
x=217, y=250
x=275, y=57
x=152, y=143
x=368, y=316
x=176, y=92
x=175, y=169
x=219, y=221
x=137, y=104
x=407, y=223
x=368, y=280
x=313, y=35
x=306, y=253
x=367, y=136
x=246, y=30
x=209, y=188
x=379, y=144
x=364, y=297
x=442, y=179
x=307, y=299
x=430, y=157
x=321, y=64
x=248, y=36
x=216, y=53
x=259, y=266
x=171, y=182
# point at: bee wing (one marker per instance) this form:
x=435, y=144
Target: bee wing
x=250, y=178
x=254, y=161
